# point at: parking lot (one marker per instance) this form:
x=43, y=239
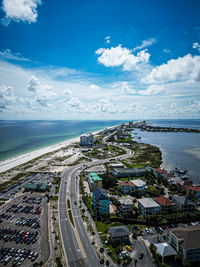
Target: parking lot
x=24, y=230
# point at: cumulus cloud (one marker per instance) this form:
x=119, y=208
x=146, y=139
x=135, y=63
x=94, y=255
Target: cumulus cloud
x=20, y=10
x=145, y=43
x=33, y=84
x=196, y=46
x=152, y=90
x=185, y=68
x=106, y=105
x=125, y=88
x=121, y=56
x=107, y=38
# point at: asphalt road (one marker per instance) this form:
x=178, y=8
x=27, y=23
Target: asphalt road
x=71, y=246
x=68, y=190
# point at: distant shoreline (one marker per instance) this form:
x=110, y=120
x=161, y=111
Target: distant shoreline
x=13, y=162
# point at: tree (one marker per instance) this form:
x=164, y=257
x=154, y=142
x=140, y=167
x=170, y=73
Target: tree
x=135, y=262
x=107, y=263
x=93, y=233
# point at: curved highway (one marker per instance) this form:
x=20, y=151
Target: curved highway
x=77, y=246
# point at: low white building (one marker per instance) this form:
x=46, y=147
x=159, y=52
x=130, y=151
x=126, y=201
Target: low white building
x=116, y=165
x=139, y=184
x=126, y=205
x=148, y=206
x=87, y=139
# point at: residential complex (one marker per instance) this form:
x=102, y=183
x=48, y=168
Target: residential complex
x=148, y=206
x=87, y=139
x=129, y=172
x=186, y=241
x=94, y=181
x=119, y=234
x=100, y=201
x=165, y=204
x=183, y=203
x=126, y=205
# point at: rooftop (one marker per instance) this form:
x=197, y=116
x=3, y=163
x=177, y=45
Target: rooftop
x=190, y=236
x=94, y=176
x=138, y=182
x=183, y=200
x=164, y=249
x=160, y=170
x=118, y=231
x=100, y=194
x=125, y=201
x=163, y=201
x=148, y=202
x=193, y=187
x=126, y=183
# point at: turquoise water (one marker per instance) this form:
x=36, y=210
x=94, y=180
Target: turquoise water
x=19, y=137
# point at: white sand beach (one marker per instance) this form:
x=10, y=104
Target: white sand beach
x=16, y=161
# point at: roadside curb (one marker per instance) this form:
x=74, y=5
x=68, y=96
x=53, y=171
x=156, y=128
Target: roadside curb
x=50, y=239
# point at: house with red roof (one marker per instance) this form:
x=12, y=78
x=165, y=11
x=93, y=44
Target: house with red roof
x=194, y=188
x=165, y=204
x=127, y=187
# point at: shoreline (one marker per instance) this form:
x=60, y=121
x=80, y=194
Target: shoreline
x=13, y=162
x=8, y=164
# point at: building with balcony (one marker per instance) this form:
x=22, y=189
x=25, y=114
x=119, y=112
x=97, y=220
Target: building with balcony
x=165, y=204
x=100, y=201
x=94, y=181
x=119, y=234
x=126, y=205
x=186, y=241
x=148, y=206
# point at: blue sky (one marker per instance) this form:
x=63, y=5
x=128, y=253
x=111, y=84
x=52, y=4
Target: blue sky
x=99, y=59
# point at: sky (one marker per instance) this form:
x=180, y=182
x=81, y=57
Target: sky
x=99, y=59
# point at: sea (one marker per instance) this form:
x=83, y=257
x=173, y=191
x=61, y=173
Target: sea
x=178, y=149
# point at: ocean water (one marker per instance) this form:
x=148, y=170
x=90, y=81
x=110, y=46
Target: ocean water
x=178, y=149
x=19, y=137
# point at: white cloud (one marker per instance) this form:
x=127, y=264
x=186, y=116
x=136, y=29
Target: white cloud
x=124, y=88
x=185, y=68
x=121, y=56
x=7, y=54
x=20, y=10
x=166, y=50
x=107, y=38
x=196, y=46
x=152, y=90
x=33, y=84
x=94, y=86
x=106, y=105
x=67, y=92
x=145, y=43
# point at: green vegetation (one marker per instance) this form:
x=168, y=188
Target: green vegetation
x=57, y=180
x=68, y=204
x=59, y=262
x=70, y=217
x=143, y=154
x=80, y=160
x=54, y=198
x=13, y=181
